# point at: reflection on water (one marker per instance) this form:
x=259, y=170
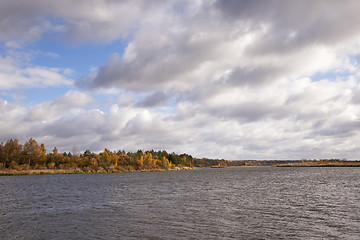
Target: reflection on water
x=227, y=203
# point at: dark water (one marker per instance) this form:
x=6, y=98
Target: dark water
x=229, y=203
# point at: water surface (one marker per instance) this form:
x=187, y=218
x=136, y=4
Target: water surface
x=228, y=203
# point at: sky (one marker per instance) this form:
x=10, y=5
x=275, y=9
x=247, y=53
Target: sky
x=232, y=79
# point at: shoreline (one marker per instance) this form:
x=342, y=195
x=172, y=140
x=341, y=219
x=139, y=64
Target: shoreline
x=325, y=165
x=12, y=172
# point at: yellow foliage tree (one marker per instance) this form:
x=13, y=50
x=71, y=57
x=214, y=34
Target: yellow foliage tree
x=165, y=162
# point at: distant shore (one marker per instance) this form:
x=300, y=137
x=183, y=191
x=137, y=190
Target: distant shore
x=320, y=164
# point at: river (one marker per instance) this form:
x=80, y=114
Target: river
x=206, y=203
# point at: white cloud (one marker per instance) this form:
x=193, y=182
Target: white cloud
x=232, y=79
x=14, y=75
x=11, y=117
x=99, y=21
x=306, y=120
x=178, y=51
x=68, y=104
x=13, y=44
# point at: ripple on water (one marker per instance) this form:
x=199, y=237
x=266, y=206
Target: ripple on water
x=227, y=203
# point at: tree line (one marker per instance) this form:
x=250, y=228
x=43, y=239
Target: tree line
x=31, y=155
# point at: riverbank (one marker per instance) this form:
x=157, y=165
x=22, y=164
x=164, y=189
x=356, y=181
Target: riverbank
x=320, y=164
x=13, y=172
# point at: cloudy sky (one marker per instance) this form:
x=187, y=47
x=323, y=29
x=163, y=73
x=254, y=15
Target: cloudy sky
x=233, y=79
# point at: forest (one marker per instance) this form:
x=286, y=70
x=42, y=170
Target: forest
x=32, y=156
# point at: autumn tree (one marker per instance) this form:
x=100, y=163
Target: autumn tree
x=10, y=152
x=124, y=159
x=43, y=154
x=54, y=159
x=108, y=158
x=32, y=153
x=148, y=160
x=140, y=160
x=2, y=156
x=165, y=162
